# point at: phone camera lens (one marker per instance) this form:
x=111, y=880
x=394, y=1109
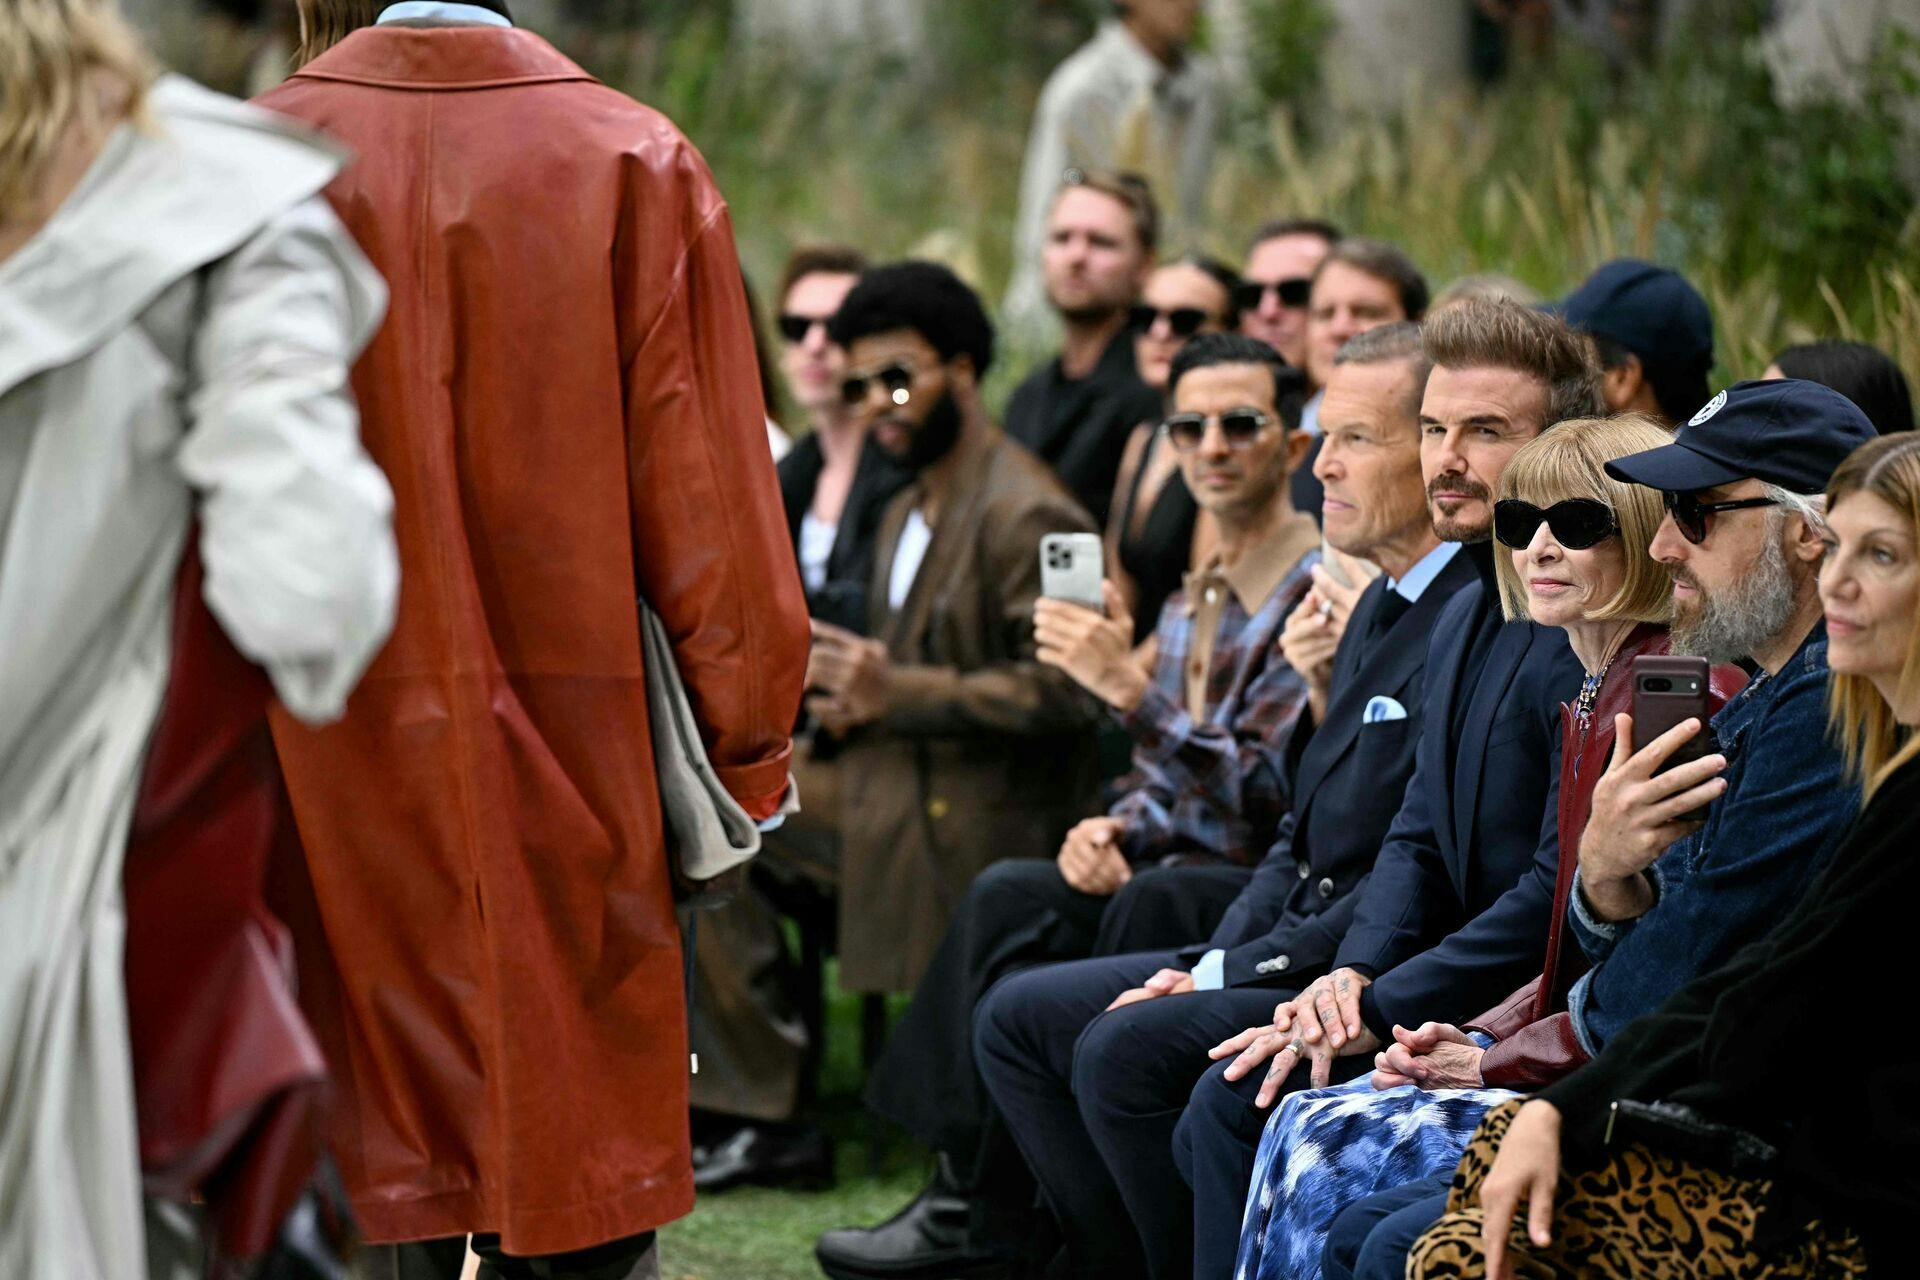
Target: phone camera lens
x=1658, y=684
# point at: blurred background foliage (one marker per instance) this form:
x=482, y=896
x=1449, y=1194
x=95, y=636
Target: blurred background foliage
x=1796, y=221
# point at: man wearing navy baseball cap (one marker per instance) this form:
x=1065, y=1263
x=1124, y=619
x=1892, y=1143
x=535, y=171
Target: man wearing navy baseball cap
x=1659, y=895
x=1743, y=539
x=1653, y=335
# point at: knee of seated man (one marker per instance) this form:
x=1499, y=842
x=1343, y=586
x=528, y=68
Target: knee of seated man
x=1001, y=1018
x=1013, y=880
x=1113, y=1049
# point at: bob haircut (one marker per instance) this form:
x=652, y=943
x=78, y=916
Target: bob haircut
x=50, y=51
x=1874, y=742
x=1570, y=462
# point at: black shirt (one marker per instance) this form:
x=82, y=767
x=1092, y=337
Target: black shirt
x=1079, y=426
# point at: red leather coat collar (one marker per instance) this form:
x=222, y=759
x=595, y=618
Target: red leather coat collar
x=442, y=59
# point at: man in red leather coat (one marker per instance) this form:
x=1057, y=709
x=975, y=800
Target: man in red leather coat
x=566, y=400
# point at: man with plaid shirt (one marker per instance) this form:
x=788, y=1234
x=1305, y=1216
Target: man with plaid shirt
x=1210, y=723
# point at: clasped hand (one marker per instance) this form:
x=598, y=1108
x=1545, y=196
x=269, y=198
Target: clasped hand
x=1435, y=1055
x=1318, y=1025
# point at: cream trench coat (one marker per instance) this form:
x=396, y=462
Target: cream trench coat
x=174, y=344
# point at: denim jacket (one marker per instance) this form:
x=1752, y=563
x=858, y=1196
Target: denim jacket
x=1787, y=803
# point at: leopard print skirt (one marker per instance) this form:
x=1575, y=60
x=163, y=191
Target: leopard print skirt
x=1643, y=1214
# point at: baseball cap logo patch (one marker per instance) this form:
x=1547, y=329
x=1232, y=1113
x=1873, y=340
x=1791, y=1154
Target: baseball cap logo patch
x=1713, y=406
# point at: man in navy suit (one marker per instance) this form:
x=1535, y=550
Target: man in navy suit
x=1094, y=1086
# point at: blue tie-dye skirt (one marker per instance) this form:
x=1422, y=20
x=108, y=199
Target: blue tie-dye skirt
x=1326, y=1148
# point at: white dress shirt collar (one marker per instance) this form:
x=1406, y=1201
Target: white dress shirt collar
x=440, y=11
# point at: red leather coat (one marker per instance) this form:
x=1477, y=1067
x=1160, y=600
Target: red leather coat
x=566, y=399
x=1534, y=1039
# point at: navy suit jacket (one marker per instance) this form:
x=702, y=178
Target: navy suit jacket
x=1348, y=778
x=1455, y=914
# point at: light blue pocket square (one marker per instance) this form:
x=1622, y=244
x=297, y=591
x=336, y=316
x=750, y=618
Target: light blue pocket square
x=1380, y=707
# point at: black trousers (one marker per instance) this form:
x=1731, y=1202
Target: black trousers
x=1093, y=1098
x=1017, y=914
x=632, y=1258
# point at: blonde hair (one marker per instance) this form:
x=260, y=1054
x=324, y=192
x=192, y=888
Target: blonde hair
x=50, y=54
x=1569, y=460
x=325, y=23
x=1874, y=742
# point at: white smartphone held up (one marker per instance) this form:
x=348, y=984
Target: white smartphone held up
x=1071, y=569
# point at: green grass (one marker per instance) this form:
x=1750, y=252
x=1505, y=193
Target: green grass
x=754, y=1233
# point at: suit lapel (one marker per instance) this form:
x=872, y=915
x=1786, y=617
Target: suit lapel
x=1511, y=644
x=952, y=536
x=1387, y=668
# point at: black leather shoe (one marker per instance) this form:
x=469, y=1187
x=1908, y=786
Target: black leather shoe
x=925, y=1240
x=765, y=1156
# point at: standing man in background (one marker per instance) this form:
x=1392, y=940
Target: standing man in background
x=566, y=399
x=1135, y=97
x=1077, y=410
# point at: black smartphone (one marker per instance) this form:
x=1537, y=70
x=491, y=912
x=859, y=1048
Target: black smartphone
x=1666, y=691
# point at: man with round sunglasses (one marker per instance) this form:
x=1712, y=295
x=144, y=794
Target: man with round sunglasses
x=1278, y=280
x=957, y=746
x=1210, y=724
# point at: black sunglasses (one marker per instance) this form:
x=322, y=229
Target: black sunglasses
x=1691, y=516
x=896, y=377
x=1294, y=292
x=1576, y=523
x=795, y=327
x=1241, y=427
x=1184, y=322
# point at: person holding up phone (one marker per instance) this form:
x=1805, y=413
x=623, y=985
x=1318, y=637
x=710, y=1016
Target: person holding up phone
x=1563, y=1185
x=1661, y=895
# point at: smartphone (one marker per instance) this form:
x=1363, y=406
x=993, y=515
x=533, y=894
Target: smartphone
x=1071, y=569
x=1666, y=691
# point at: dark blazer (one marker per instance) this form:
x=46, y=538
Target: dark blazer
x=1454, y=915
x=843, y=599
x=1290, y=917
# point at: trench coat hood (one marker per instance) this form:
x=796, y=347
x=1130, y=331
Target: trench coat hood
x=565, y=396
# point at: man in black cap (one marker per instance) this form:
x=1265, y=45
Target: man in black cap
x=1653, y=334
x=1660, y=898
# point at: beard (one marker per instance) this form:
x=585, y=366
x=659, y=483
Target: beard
x=1740, y=619
x=1451, y=528
x=934, y=438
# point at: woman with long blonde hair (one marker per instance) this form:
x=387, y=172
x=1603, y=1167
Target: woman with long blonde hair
x=1769, y=1157
x=178, y=313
